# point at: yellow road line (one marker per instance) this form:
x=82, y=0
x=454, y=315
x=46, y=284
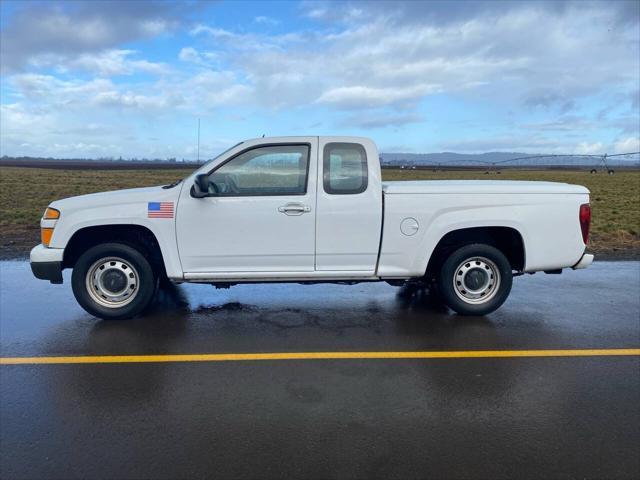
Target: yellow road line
x=235, y=357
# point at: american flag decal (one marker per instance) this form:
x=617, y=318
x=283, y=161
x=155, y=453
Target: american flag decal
x=160, y=210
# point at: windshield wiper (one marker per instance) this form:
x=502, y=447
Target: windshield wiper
x=171, y=185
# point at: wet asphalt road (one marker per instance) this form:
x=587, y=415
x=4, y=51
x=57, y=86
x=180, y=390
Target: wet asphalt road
x=438, y=418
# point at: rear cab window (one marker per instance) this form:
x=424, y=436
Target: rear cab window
x=345, y=169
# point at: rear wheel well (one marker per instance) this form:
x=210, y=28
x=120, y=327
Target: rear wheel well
x=507, y=240
x=135, y=236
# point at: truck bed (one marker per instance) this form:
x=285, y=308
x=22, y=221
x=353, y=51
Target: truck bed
x=479, y=186
x=544, y=214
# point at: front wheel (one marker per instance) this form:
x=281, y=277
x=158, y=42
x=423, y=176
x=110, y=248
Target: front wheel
x=475, y=280
x=113, y=281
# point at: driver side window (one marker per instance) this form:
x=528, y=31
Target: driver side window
x=263, y=171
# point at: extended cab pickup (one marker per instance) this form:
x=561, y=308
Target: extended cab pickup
x=308, y=210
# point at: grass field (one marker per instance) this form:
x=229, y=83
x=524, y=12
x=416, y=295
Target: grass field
x=25, y=193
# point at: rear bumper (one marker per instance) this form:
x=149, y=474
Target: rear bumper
x=46, y=263
x=585, y=261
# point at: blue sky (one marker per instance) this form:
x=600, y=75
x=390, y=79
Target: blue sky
x=113, y=78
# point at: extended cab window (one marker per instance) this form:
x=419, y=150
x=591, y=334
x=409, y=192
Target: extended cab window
x=269, y=170
x=345, y=168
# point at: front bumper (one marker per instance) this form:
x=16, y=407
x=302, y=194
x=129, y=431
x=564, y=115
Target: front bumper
x=46, y=263
x=585, y=261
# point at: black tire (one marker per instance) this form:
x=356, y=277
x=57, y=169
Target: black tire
x=138, y=291
x=491, y=273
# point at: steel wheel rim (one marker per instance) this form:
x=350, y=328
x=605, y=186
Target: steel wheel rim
x=476, y=280
x=112, y=282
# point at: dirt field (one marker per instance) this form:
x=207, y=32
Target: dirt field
x=25, y=193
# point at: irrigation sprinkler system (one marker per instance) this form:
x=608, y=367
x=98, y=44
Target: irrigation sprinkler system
x=598, y=162
x=602, y=160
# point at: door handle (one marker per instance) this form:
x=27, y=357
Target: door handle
x=294, y=209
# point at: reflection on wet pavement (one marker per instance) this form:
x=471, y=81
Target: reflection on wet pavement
x=38, y=318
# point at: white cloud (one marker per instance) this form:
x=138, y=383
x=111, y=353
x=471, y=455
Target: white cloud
x=382, y=119
x=201, y=58
x=585, y=148
x=114, y=62
x=15, y=119
x=507, y=143
x=194, y=92
x=570, y=123
x=539, y=64
x=189, y=54
x=210, y=89
x=155, y=27
x=368, y=97
x=212, y=31
x=39, y=30
x=38, y=132
x=135, y=100
x=50, y=91
x=371, y=60
x=627, y=145
x=263, y=20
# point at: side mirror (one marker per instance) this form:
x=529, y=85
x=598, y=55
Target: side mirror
x=200, y=187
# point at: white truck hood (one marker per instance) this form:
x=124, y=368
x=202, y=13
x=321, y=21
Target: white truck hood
x=479, y=186
x=115, y=198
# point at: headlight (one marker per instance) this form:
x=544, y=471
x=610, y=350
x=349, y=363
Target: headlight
x=51, y=214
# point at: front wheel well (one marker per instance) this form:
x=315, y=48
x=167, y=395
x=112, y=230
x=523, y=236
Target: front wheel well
x=135, y=236
x=506, y=239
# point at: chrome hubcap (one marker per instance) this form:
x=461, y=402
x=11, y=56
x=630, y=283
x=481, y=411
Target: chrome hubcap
x=112, y=282
x=476, y=280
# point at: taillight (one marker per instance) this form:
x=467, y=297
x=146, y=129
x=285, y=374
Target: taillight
x=585, y=221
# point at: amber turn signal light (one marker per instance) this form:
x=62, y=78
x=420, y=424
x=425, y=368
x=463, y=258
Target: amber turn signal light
x=45, y=236
x=51, y=214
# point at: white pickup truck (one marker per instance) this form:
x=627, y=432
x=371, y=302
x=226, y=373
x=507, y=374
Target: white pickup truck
x=309, y=210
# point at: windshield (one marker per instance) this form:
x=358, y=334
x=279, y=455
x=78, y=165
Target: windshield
x=221, y=154
x=177, y=182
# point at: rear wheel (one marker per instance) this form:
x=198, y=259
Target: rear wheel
x=113, y=281
x=475, y=280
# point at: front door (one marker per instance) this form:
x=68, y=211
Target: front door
x=259, y=217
